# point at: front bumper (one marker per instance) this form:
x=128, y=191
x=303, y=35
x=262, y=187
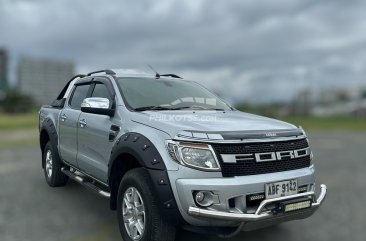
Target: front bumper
x=184, y=184
x=260, y=214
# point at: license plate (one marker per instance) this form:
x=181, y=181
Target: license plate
x=281, y=189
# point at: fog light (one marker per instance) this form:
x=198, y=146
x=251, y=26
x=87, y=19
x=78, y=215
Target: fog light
x=256, y=197
x=297, y=206
x=294, y=205
x=303, y=189
x=204, y=198
x=200, y=196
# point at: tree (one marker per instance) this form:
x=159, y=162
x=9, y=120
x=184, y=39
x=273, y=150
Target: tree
x=15, y=102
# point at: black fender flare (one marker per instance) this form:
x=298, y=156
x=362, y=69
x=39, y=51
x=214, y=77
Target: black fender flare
x=49, y=127
x=144, y=151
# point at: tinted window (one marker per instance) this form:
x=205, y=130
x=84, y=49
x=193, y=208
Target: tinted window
x=78, y=96
x=100, y=90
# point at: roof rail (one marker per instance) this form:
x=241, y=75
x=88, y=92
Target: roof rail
x=106, y=71
x=77, y=76
x=171, y=75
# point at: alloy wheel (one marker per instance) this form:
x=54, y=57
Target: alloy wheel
x=133, y=211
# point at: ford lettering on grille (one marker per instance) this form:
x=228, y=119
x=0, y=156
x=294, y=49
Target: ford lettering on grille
x=281, y=155
x=241, y=159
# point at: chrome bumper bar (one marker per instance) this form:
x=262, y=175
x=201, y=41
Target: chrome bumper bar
x=259, y=214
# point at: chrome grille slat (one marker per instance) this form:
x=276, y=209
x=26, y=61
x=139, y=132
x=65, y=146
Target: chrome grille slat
x=244, y=157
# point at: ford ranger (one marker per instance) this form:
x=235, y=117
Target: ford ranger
x=169, y=153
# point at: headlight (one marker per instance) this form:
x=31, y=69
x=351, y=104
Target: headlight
x=199, y=156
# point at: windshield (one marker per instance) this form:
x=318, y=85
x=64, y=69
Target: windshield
x=160, y=94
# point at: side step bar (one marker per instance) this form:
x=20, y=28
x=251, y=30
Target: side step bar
x=83, y=181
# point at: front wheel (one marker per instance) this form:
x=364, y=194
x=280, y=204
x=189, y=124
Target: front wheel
x=138, y=215
x=52, y=167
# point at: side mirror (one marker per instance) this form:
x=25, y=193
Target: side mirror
x=96, y=105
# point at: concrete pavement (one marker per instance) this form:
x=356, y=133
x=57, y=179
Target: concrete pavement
x=30, y=210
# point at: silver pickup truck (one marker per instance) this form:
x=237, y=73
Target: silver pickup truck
x=169, y=153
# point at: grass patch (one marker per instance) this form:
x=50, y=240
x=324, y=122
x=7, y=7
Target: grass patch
x=328, y=123
x=18, y=121
x=18, y=138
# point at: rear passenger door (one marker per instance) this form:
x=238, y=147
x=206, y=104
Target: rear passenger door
x=94, y=143
x=68, y=123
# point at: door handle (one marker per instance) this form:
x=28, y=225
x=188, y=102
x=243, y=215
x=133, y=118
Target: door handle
x=63, y=117
x=82, y=123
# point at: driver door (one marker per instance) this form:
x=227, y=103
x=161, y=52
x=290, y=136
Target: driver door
x=94, y=143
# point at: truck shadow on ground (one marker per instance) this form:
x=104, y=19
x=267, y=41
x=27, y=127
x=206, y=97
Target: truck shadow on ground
x=263, y=234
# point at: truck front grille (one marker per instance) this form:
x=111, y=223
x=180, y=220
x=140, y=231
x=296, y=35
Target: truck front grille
x=249, y=166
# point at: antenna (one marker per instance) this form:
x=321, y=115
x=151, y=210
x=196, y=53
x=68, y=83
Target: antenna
x=157, y=75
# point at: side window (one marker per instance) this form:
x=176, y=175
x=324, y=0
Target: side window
x=78, y=96
x=100, y=90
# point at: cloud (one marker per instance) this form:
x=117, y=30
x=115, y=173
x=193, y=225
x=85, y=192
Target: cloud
x=239, y=48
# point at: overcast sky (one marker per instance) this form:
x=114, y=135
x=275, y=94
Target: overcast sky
x=262, y=50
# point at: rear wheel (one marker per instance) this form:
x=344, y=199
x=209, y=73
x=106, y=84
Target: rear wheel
x=138, y=215
x=52, y=167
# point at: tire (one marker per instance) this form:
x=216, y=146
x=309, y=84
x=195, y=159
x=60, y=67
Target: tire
x=52, y=167
x=143, y=212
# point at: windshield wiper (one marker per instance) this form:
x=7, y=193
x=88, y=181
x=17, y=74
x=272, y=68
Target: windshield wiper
x=196, y=108
x=152, y=107
x=158, y=107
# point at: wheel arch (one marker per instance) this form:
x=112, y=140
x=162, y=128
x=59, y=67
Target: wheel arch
x=120, y=165
x=48, y=133
x=43, y=139
x=134, y=150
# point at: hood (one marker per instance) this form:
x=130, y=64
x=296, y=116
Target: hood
x=174, y=122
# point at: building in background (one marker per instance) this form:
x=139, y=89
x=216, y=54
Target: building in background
x=3, y=70
x=43, y=79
